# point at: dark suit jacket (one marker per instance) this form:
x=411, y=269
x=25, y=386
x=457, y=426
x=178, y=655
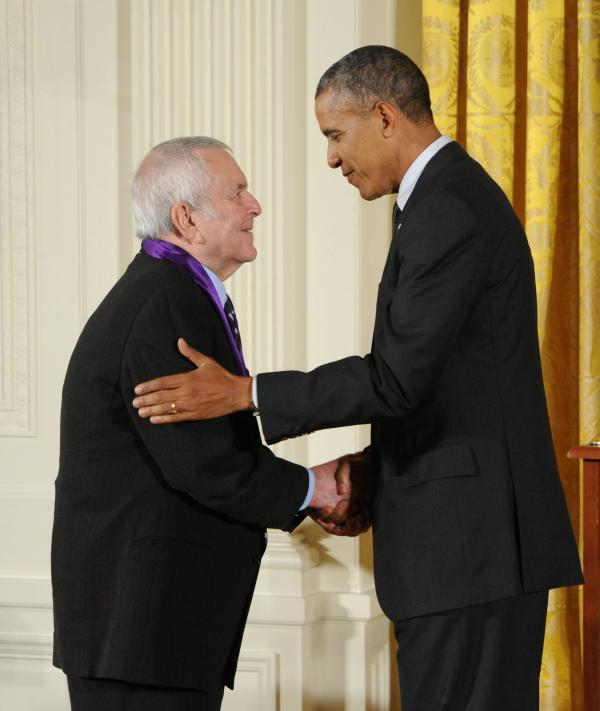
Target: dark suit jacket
x=469, y=506
x=158, y=531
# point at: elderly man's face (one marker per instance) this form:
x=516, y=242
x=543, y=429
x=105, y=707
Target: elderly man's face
x=355, y=144
x=228, y=239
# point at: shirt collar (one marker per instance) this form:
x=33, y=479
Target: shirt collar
x=417, y=167
x=218, y=284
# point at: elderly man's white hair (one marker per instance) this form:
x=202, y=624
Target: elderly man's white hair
x=172, y=172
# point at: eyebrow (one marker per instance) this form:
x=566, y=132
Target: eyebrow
x=239, y=186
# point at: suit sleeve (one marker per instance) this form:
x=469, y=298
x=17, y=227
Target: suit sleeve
x=441, y=274
x=220, y=462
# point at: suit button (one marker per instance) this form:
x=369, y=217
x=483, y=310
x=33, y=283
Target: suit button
x=256, y=559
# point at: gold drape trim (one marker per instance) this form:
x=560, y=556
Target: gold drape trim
x=463, y=71
x=520, y=139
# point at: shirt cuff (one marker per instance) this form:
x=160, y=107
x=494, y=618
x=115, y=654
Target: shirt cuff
x=254, y=393
x=311, y=489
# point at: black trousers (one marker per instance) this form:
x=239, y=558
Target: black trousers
x=112, y=695
x=480, y=658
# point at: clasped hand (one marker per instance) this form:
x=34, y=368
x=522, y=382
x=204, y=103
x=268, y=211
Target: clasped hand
x=343, y=500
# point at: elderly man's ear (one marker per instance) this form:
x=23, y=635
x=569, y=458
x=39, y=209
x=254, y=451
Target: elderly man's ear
x=183, y=221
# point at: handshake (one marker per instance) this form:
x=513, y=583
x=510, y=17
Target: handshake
x=342, y=502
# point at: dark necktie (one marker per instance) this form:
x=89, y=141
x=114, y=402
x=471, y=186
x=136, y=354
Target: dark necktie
x=396, y=219
x=233, y=324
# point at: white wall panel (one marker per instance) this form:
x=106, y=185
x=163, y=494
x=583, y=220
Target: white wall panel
x=17, y=280
x=256, y=682
x=87, y=87
x=30, y=684
x=60, y=215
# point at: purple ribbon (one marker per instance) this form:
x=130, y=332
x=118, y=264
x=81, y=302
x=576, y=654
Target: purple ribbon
x=159, y=249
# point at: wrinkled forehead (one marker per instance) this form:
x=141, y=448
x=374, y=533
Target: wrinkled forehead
x=223, y=169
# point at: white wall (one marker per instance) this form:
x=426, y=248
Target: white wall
x=86, y=88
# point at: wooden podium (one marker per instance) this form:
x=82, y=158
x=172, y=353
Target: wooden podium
x=591, y=565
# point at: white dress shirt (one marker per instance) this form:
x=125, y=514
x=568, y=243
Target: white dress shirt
x=416, y=168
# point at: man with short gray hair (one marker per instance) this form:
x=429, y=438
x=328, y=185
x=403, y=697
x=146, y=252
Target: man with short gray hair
x=159, y=532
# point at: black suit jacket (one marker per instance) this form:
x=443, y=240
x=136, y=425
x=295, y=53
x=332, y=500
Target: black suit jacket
x=469, y=506
x=158, y=531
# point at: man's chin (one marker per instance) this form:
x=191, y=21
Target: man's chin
x=374, y=192
x=366, y=194
x=248, y=252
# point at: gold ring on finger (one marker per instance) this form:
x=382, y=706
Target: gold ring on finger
x=173, y=409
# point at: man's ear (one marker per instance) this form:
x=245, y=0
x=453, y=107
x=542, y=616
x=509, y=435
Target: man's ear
x=387, y=114
x=182, y=219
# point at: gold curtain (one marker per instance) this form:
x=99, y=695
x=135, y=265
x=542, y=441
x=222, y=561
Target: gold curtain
x=517, y=83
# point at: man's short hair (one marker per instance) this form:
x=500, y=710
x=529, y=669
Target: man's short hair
x=171, y=172
x=378, y=73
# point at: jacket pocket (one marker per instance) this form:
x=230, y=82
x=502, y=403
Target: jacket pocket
x=442, y=462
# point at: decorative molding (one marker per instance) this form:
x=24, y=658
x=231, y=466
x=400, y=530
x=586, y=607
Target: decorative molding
x=25, y=645
x=82, y=178
x=16, y=239
x=288, y=552
x=378, y=676
x=264, y=667
x=326, y=605
x=267, y=608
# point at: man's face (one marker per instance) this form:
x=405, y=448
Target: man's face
x=228, y=241
x=356, y=145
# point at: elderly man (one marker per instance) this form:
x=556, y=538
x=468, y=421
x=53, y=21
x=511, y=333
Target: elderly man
x=470, y=524
x=159, y=532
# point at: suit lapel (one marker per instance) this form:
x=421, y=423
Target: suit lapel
x=450, y=153
x=447, y=155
